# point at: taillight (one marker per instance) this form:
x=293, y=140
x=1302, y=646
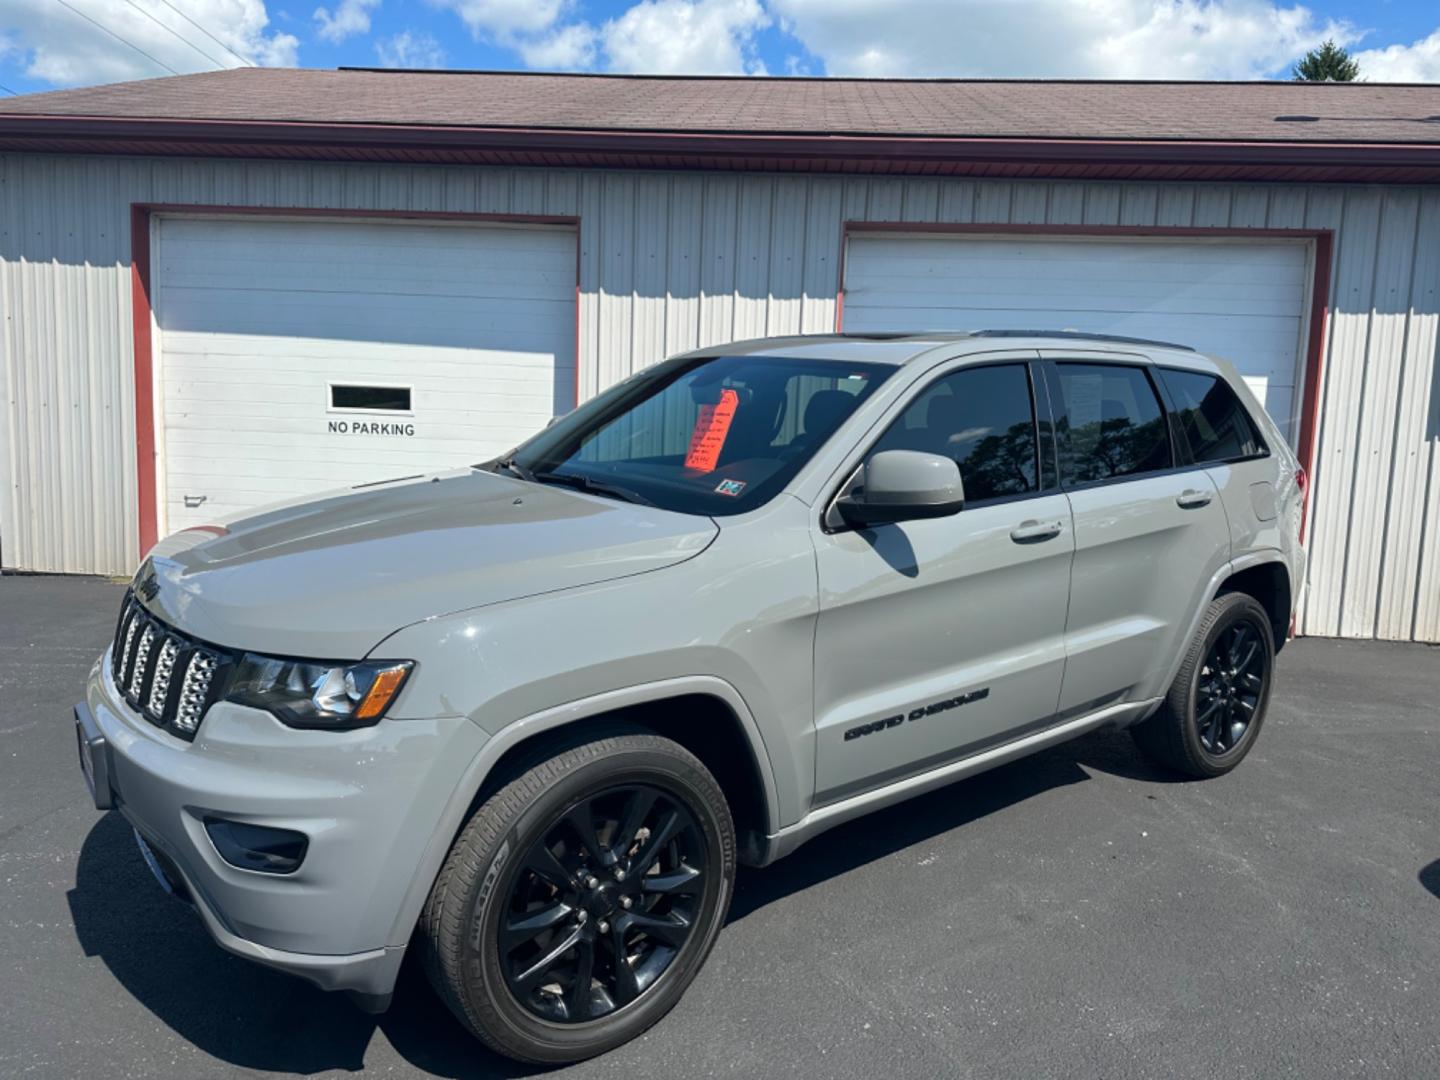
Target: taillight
x=1302, y=481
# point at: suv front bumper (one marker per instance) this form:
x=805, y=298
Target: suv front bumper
x=369, y=800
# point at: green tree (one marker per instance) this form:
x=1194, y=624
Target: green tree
x=1328, y=63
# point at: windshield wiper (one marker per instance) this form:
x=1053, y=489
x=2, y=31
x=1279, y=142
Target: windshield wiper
x=514, y=468
x=595, y=487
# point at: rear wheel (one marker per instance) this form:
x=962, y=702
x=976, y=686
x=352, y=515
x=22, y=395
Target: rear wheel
x=1213, y=712
x=582, y=898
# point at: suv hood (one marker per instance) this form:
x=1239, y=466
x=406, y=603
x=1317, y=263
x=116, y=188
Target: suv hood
x=332, y=577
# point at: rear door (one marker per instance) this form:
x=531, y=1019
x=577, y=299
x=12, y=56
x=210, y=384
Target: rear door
x=1217, y=433
x=1149, y=532
x=940, y=637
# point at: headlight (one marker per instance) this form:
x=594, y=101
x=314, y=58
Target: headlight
x=305, y=694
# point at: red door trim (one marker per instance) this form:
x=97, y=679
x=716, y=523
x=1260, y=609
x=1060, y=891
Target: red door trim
x=1323, y=239
x=142, y=314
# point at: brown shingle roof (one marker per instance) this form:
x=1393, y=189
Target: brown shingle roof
x=1355, y=112
x=1115, y=130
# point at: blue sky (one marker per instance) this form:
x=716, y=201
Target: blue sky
x=45, y=44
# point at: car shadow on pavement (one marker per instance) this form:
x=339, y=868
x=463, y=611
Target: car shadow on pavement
x=1430, y=878
x=884, y=832
x=255, y=1018
x=237, y=1011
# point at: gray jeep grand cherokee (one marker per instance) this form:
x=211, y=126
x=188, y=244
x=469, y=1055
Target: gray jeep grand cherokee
x=530, y=715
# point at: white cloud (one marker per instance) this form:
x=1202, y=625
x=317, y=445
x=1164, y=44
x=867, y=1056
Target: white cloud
x=61, y=48
x=692, y=37
x=570, y=48
x=349, y=18
x=410, y=49
x=503, y=20
x=796, y=64
x=1416, y=62
x=659, y=36
x=1171, y=39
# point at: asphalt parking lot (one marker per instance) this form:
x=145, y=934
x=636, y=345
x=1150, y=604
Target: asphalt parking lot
x=1077, y=914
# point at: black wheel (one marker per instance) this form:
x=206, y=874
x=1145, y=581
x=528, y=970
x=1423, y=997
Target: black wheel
x=582, y=898
x=1213, y=712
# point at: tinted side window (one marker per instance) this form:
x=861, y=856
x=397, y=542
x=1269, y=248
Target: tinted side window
x=1109, y=423
x=1215, y=424
x=983, y=419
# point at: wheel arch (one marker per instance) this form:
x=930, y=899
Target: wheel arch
x=1255, y=571
x=1268, y=581
x=728, y=743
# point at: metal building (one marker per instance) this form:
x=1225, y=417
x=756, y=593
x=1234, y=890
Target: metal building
x=220, y=290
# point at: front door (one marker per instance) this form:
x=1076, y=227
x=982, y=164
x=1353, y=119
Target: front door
x=938, y=638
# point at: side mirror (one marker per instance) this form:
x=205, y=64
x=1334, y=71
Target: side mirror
x=903, y=485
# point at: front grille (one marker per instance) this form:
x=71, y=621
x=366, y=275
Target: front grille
x=167, y=677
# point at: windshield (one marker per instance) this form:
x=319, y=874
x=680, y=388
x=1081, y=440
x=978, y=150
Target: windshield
x=714, y=435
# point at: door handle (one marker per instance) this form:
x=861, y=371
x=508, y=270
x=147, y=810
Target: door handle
x=193, y=502
x=1190, y=499
x=1033, y=532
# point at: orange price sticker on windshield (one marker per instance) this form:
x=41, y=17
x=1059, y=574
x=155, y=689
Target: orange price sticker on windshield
x=711, y=427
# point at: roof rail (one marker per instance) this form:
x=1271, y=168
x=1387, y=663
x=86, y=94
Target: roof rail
x=896, y=335
x=1081, y=335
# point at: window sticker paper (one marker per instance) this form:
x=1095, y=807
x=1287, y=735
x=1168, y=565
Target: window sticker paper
x=711, y=428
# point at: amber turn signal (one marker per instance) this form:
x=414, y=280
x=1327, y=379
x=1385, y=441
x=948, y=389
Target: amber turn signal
x=383, y=688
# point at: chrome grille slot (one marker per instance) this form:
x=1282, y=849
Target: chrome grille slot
x=195, y=690
x=160, y=681
x=168, y=677
x=141, y=664
x=128, y=652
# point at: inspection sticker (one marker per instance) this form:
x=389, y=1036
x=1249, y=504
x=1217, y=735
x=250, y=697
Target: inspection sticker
x=730, y=487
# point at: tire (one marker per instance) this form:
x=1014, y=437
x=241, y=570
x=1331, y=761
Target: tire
x=641, y=956
x=1186, y=733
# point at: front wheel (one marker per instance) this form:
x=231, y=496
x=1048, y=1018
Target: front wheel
x=1213, y=712
x=581, y=899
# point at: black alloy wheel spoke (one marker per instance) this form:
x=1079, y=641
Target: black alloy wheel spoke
x=580, y=994
x=541, y=862
x=531, y=977
x=1247, y=658
x=645, y=858
x=681, y=880
x=1227, y=693
x=582, y=823
x=625, y=988
x=642, y=801
x=530, y=926
x=1237, y=636
x=671, y=932
x=603, y=903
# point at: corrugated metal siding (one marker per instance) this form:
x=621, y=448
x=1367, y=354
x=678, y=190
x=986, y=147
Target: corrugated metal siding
x=670, y=261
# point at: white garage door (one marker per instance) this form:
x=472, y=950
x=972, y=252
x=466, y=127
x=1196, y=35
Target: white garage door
x=1244, y=300
x=299, y=355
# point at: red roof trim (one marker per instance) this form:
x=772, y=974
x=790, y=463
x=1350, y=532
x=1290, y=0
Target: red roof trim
x=1412, y=162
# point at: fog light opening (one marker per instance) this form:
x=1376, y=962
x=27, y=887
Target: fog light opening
x=257, y=847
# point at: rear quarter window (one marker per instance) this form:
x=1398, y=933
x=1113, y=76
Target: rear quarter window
x=1212, y=419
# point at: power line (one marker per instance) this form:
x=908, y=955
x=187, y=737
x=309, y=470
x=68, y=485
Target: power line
x=243, y=59
x=7, y=89
x=117, y=37
x=171, y=30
